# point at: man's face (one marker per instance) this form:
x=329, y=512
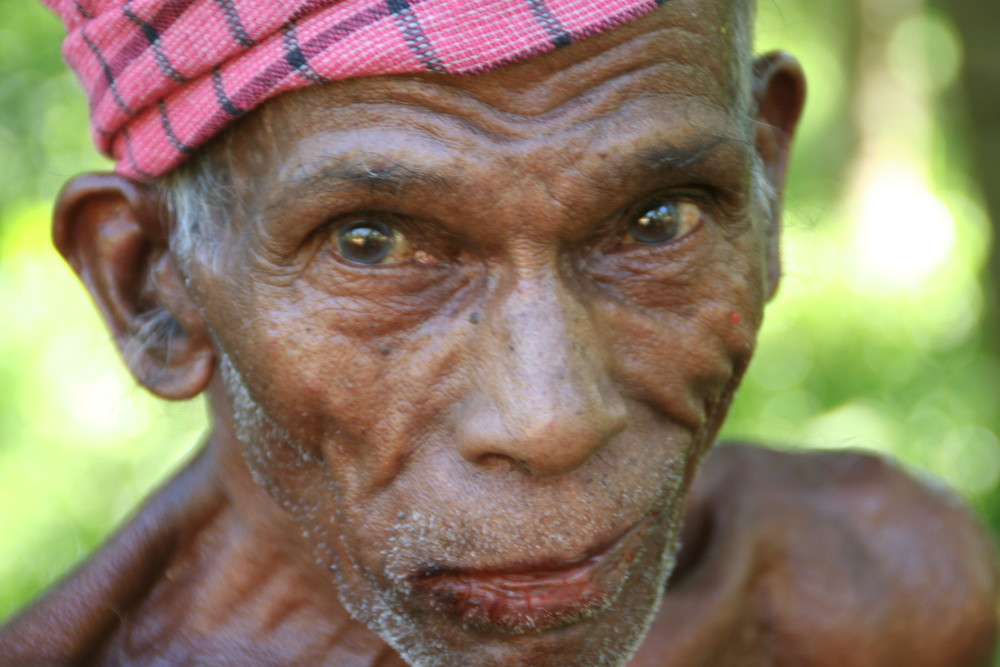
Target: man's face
x=478, y=332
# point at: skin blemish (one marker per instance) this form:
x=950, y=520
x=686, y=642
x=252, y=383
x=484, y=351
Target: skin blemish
x=475, y=318
x=385, y=351
x=735, y=317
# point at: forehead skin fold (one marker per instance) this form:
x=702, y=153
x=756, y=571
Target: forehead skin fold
x=704, y=44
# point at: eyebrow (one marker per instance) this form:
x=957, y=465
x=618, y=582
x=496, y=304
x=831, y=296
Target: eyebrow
x=390, y=177
x=669, y=159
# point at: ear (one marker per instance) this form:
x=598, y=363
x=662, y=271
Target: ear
x=779, y=92
x=111, y=230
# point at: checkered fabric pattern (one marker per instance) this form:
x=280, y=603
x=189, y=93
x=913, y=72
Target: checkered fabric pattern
x=164, y=76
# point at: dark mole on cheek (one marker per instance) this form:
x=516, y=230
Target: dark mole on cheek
x=385, y=351
x=475, y=318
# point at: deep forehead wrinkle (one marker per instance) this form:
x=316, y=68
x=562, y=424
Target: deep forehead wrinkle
x=688, y=49
x=524, y=99
x=504, y=118
x=532, y=100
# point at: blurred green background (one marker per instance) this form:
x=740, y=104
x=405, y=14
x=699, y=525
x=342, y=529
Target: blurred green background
x=881, y=337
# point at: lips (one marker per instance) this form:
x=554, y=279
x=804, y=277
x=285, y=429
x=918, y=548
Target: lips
x=531, y=597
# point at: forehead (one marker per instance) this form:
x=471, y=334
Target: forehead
x=685, y=60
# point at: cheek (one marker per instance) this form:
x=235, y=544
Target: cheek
x=682, y=345
x=362, y=401
x=374, y=411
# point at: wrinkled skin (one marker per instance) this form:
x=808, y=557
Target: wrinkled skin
x=521, y=393
x=444, y=412
x=440, y=413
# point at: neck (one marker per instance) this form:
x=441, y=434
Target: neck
x=269, y=566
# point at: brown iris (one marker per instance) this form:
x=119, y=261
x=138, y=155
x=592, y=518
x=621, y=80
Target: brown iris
x=665, y=222
x=365, y=241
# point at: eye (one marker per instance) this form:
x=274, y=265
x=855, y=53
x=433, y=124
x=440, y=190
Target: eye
x=369, y=242
x=665, y=222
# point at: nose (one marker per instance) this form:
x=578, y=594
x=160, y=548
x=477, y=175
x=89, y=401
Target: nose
x=542, y=396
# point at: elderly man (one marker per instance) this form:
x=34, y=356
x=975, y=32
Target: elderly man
x=467, y=340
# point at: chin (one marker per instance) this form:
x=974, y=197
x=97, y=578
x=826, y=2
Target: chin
x=598, y=623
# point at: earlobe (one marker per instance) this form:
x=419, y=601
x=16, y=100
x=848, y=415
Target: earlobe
x=779, y=92
x=110, y=229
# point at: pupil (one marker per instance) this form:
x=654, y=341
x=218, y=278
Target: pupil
x=657, y=225
x=365, y=242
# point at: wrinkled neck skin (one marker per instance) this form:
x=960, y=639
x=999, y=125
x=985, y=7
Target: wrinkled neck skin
x=298, y=592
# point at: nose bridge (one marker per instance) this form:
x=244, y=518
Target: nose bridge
x=545, y=397
x=550, y=342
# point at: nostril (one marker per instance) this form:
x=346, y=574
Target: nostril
x=542, y=398
x=545, y=438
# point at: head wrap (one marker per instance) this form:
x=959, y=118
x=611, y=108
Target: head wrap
x=165, y=76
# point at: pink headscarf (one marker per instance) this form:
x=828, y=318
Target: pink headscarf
x=164, y=76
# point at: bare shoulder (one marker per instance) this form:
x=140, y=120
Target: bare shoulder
x=854, y=561
x=72, y=621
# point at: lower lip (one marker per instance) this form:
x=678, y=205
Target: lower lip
x=531, y=601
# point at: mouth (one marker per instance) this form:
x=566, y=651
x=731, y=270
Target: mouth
x=526, y=597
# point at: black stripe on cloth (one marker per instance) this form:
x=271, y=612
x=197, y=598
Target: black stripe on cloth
x=270, y=77
x=220, y=94
x=152, y=35
x=235, y=24
x=108, y=76
x=548, y=20
x=296, y=57
x=279, y=69
x=129, y=48
x=131, y=156
x=413, y=34
x=604, y=25
x=168, y=129
x=84, y=12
